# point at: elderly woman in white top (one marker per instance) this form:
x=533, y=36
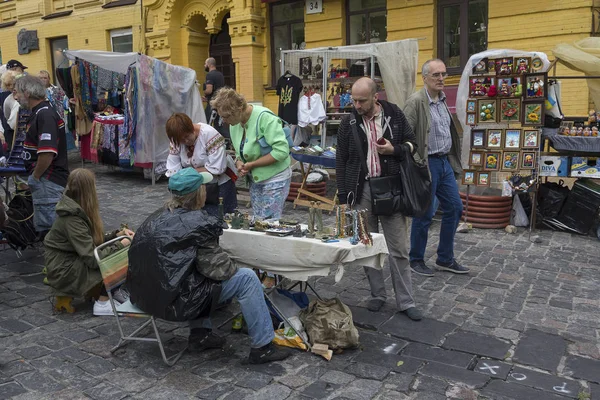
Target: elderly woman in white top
x=201, y=147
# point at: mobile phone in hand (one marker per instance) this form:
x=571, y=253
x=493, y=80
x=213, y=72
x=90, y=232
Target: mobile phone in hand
x=381, y=141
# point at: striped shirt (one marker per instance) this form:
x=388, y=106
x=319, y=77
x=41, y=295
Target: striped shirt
x=440, y=140
x=374, y=129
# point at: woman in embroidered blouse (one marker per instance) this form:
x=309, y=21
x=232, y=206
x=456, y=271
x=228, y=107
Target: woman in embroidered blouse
x=262, y=150
x=201, y=147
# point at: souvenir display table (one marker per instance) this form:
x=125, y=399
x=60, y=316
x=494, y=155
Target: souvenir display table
x=300, y=258
x=327, y=162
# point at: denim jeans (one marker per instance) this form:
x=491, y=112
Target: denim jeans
x=444, y=187
x=45, y=195
x=248, y=291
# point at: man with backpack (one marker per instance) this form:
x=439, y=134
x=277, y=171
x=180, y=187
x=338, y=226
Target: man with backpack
x=45, y=151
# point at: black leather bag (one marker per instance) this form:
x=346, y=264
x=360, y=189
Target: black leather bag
x=212, y=193
x=416, y=186
x=386, y=194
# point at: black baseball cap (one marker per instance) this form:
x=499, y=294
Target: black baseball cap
x=14, y=63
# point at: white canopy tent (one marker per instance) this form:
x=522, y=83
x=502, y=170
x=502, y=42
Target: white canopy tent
x=161, y=89
x=397, y=61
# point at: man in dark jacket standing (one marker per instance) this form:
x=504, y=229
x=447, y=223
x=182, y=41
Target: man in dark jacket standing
x=376, y=119
x=438, y=142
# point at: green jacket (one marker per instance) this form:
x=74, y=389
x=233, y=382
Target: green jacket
x=418, y=115
x=270, y=128
x=72, y=268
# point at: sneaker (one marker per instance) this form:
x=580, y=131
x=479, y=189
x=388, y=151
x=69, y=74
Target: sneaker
x=120, y=294
x=375, y=304
x=413, y=313
x=420, y=268
x=267, y=354
x=453, y=267
x=102, y=308
x=203, y=339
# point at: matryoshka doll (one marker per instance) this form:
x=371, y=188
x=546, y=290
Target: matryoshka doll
x=594, y=131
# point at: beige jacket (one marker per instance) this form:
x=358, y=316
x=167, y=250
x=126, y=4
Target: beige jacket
x=418, y=115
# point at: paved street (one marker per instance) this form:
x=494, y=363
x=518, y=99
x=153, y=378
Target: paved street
x=524, y=324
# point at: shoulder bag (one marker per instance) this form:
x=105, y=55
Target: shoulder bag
x=409, y=192
x=385, y=190
x=265, y=148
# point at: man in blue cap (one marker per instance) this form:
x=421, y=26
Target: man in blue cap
x=178, y=271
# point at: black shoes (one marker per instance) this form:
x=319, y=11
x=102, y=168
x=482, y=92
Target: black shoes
x=267, y=354
x=454, y=267
x=419, y=268
x=375, y=304
x=203, y=339
x=413, y=313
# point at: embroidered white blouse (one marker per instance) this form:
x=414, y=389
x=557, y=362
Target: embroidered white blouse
x=209, y=152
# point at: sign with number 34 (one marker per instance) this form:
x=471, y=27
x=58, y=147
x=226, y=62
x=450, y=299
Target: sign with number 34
x=314, y=6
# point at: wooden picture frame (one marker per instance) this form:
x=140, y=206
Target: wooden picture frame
x=531, y=138
x=535, y=86
x=494, y=139
x=522, y=65
x=504, y=66
x=491, y=160
x=305, y=67
x=504, y=86
x=475, y=158
x=537, y=65
x=510, y=160
x=471, y=119
x=483, y=178
x=471, y=105
x=478, y=138
x=479, y=85
x=528, y=160
x=487, y=111
x=510, y=110
x=480, y=67
x=512, y=139
x=469, y=177
x=533, y=113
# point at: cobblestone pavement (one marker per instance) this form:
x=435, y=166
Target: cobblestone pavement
x=524, y=324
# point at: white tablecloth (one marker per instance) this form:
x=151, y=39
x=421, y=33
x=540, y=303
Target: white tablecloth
x=300, y=258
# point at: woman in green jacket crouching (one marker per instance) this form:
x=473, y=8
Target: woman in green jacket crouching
x=71, y=267
x=262, y=150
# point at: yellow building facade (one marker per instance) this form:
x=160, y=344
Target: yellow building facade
x=72, y=24
x=241, y=33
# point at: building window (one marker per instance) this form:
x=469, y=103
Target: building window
x=462, y=31
x=366, y=21
x=121, y=40
x=287, y=32
x=59, y=60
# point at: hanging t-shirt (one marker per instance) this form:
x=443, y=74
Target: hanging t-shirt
x=288, y=90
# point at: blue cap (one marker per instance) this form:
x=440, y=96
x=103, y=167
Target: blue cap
x=188, y=180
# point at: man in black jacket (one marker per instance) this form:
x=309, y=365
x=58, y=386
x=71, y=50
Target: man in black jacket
x=376, y=119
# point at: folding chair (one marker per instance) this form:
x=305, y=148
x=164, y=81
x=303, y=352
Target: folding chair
x=114, y=273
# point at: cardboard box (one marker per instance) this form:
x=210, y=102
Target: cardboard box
x=554, y=166
x=585, y=167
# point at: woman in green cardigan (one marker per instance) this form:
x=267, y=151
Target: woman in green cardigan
x=263, y=152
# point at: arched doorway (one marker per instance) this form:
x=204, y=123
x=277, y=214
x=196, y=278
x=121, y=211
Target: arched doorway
x=220, y=50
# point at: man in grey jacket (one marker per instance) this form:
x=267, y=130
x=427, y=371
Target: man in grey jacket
x=438, y=143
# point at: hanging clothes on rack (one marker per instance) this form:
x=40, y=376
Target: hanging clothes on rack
x=310, y=109
x=289, y=88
